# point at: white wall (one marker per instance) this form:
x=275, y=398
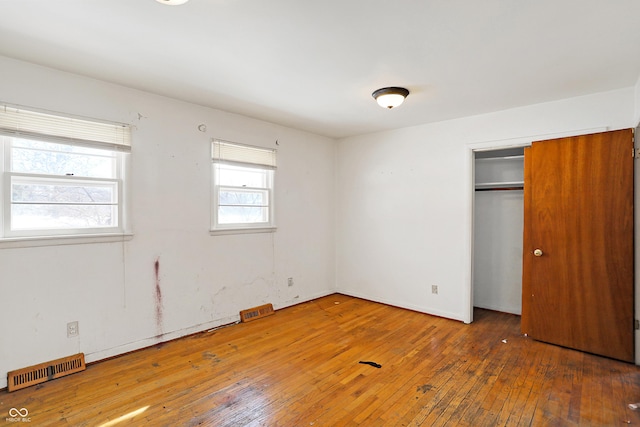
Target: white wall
x=497, y=260
x=205, y=280
x=404, y=204
x=497, y=246
x=403, y=219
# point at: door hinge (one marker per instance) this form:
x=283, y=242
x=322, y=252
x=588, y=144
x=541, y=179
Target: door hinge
x=637, y=324
x=635, y=153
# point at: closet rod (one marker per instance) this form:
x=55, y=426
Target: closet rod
x=514, y=157
x=500, y=189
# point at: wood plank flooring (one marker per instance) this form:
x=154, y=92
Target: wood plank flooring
x=301, y=367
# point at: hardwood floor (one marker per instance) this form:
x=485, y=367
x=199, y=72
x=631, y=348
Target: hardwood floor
x=301, y=367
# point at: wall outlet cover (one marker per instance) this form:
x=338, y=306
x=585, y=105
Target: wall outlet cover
x=72, y=329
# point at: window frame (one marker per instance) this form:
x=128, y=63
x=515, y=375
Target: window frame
x=264, y=162
x=64, y=130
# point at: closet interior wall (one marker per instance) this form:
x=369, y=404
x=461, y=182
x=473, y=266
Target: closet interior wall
x=498, y=226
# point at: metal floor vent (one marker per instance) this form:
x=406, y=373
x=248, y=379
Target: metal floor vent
x=256, y=313
x=36, y=374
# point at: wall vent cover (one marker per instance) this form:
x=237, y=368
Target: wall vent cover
x=256, y=313
x=36, y=374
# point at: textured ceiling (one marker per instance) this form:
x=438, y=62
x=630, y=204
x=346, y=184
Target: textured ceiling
x=313, y=65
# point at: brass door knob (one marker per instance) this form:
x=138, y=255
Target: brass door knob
x=537, y=252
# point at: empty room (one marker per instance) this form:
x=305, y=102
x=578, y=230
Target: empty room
x=340, y=213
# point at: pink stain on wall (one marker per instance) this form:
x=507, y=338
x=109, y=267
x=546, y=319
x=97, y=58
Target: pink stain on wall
x=158, y=296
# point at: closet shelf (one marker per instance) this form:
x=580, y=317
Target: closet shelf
x=493, y=159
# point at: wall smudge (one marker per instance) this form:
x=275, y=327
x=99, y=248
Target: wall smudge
x=158, y=296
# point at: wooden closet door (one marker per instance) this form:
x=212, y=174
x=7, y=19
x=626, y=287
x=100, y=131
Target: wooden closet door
x=578, y=243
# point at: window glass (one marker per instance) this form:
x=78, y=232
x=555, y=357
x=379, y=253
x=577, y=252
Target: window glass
x=242, y=193
x=243, y=206
x=60, y=159
x=242, y=176
x=61, y=175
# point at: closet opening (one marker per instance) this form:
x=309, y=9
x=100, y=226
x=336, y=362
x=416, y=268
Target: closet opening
x=498, y=220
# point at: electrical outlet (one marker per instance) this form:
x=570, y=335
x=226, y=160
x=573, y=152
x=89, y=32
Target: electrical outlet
x=72, y=329
x=290, y=281
x=434, y=289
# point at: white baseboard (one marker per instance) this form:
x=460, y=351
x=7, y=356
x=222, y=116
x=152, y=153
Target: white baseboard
x=402, y=304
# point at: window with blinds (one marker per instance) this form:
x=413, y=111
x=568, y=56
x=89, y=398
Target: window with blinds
x=61, y=175
x=243, y=182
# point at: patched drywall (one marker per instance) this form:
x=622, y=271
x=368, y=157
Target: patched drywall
x=172, y=278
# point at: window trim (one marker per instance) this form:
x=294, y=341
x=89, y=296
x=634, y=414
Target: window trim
x=68, y=130
x=259, y=158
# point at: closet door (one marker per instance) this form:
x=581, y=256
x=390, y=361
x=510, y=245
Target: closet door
x=578, y=247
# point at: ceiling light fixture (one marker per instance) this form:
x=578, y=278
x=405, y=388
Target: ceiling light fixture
x=172, y=2
x=389, y=97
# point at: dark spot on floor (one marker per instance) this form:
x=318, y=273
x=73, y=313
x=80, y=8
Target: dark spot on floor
x=424, y=388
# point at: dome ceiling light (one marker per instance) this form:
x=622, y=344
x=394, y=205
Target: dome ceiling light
x=172, y=2
x=390, y=97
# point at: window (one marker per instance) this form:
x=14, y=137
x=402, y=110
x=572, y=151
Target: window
x=61, y=175
x=242, y=187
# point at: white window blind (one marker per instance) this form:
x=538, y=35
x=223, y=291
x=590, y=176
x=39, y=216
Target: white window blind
x=17, y=121
x=230, y=152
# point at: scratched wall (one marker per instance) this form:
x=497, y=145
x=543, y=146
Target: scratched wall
x=173, y=278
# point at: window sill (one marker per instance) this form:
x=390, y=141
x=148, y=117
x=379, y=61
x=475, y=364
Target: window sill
x=80, y=239
x=224, y=231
